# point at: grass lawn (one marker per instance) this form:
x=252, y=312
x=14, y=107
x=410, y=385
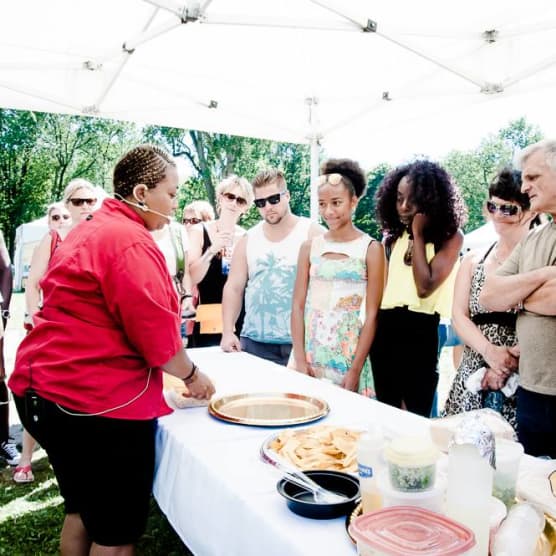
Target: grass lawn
x=31, y=517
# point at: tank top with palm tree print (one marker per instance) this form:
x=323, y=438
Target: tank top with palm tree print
x=271, y=275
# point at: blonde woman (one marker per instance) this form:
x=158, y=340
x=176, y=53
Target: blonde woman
x=79, y=201
x=58, y=216
x=197, y=212
x=211, y=246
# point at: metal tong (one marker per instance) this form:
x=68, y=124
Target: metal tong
x=320, y=494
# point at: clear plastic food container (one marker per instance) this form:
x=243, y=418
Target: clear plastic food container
x=432, y=499
x=408, y=531
x=411, y=463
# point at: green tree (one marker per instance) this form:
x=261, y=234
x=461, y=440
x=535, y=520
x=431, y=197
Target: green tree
x=215, y=156
x=24, y=172
x=365, y=214
x=84, y=147
x=519, y=133
x=473, y=170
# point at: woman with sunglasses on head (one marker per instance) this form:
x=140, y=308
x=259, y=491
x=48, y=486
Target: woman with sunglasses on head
x=489, y=337
x=336, y=273
x=87, y=380
x=421, y=212
x=211, y=247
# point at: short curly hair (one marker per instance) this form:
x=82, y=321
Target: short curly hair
x=434, y=194
x=350, y=171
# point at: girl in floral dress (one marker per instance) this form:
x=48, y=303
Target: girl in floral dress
x=338, y=288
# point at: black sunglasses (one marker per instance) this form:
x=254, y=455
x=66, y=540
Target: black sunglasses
x=272, y=200
x=57, y=217
x=76, y=202
x=191, y=220
x=505, y=209
x=231, y=197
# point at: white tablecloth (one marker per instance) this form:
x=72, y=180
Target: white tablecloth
x=217, y=493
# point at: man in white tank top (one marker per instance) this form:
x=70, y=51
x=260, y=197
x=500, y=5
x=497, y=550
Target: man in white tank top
x=263, y=268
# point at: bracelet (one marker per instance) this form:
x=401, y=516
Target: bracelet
x=192, y=375
x=186, y=295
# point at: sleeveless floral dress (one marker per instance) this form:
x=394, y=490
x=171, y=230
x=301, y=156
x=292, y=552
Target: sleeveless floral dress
x=460, y=399
x=335, y=297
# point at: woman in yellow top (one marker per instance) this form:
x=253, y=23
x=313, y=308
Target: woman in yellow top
x=421, y=212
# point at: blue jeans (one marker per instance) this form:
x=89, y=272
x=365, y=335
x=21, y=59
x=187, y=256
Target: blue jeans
x=536, y=422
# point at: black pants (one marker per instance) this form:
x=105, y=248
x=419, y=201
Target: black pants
x=536, y=422
x=104, y=467
x=4, y=408
x=404, y=358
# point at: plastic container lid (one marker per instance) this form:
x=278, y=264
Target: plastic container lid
x=407, y=530
x=411, y=451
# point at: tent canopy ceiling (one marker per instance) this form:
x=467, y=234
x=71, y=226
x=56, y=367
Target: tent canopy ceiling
x=288, y=70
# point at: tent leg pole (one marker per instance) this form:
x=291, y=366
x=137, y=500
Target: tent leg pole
x=315, y=152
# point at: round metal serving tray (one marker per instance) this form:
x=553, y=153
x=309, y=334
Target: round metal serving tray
x=268, y=409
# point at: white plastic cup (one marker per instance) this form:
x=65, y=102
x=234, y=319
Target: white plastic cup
x=508, y=457
x=519, y=532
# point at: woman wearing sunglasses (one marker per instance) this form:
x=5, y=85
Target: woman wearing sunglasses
x=58, y=216
x=421, y=212
x=193, y=214
x=211, y=247
x=489, y=337
x=78, y=202
x=196, y=212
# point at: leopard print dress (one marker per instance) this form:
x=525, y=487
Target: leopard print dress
x=459, y=398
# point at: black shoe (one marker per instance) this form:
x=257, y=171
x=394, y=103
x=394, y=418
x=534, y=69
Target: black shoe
x=9, y=453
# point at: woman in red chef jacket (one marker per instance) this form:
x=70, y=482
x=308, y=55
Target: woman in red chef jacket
x=91, y=368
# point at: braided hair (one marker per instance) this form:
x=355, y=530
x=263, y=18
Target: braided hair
x=144, y=164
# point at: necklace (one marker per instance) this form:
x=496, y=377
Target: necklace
x=495, y=255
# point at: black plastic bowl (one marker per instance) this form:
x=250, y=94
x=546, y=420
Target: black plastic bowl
x=301, y=502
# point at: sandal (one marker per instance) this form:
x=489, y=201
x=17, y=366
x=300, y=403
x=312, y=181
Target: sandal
x=23, y=474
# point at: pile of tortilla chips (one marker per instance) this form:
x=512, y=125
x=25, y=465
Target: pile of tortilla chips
x=319, y=447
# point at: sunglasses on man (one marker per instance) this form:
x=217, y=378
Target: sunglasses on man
x=231, y=197
x=57, y=217
x=76, y=202
x=505, y=209
x=271, y=199
x=191, y=220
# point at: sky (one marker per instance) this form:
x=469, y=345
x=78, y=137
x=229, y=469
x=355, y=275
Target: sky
x=436, y=134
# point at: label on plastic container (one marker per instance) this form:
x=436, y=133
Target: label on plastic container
x=365, y=471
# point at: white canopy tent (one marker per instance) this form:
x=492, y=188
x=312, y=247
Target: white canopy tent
x=480, y=238
x=355, y=76
x=27, y=237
